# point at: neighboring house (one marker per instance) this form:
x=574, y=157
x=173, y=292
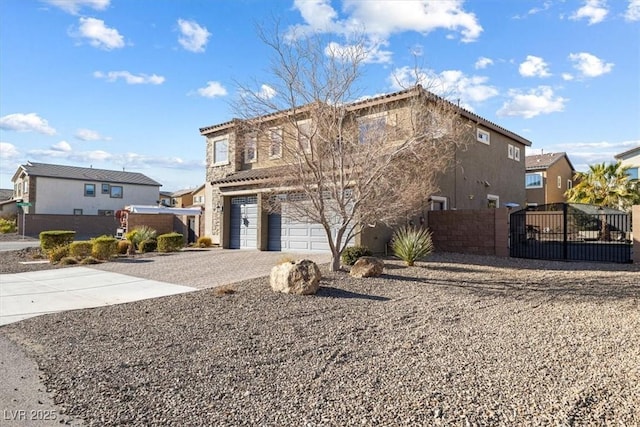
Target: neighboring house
x=489, y=172
x=548, y=177
x=198, y=196
x=165, y=198
x=182, y=198
x=630, y=158
x=70, y=190
x=8, y=207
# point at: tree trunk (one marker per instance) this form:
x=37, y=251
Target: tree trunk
x=335, y=262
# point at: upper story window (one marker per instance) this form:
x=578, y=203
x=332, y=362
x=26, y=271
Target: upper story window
x=105, y=188
x=569, y=184
x=304, y=135
x=198, y=200
x=275, y=143
x=116, y=191
x=221, y=151
x=632, y=173
x=483, y=136
x=25, y=186
x=90, y=190
x=250, y=148
x=559, y=181
x=516, y=154
x=371, y=128
x=510, y=150
x=533, y=180
x=493, y=201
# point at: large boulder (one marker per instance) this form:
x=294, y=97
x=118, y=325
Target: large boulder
x=301, y=277
x=367, y=266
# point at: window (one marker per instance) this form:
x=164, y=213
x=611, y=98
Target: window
x=250, y=149
x=533, y=180
x=493, y=201
x=90, y=190
x=198, y=200
x=77, y=211
x=559, y=181
x=221, y=152
x=304, y=135
x=275, y=143
x=632, y=173
x=105, y=212
x=116, y=192
x=483, y=136
x=371, y=129
x=516, y=154
x=437, y=203
x=510, y=151
x=174, y=201
x=569, y=184
x=25, y=186
x=105, y=188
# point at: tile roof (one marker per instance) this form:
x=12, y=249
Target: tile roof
x=86, y=174
x=544, y=161
x=251, y=175
x=5, y=194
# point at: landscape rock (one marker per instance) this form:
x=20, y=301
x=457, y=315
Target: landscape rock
x=301, y=277
x=367, y=266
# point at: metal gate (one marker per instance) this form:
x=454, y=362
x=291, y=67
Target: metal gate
x=571, y=231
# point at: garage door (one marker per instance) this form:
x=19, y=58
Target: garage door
x=243, y=233
x=287, y=233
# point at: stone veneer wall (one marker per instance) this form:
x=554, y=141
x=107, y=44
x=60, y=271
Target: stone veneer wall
x=473, y=231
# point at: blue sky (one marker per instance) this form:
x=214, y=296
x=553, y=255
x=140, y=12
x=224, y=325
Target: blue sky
x=127, y=83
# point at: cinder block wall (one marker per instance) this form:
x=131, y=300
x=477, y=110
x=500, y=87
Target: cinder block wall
x=162, y=223
x=85, y=226
x=474, y=231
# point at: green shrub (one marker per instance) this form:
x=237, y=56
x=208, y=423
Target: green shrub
x=149, y=245
x=104, y=247
x=68, y=260
x=54, y=238
x=123, y=246
x=8, y=225
x=89, y=260
x=411, y=243
x=170, y=242
x=80, y=249
x=56, y=254
x=204, y=242
x=140, y=234
x=351, y=254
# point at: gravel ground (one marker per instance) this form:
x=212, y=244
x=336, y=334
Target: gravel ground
x=458, y=340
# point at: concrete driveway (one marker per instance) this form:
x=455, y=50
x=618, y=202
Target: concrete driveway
x=25, y=295
x=15, y=245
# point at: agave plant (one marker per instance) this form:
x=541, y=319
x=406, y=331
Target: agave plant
x=411, y=243
x=138, y=235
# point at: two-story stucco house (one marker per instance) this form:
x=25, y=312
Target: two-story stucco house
x=548, y=177
x=488, y=172
x=630, y=159
x=71, y=190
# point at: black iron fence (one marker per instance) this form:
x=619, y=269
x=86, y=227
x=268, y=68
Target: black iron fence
x=570, y=231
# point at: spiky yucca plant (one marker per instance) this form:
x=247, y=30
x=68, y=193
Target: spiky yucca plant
x=411, y=243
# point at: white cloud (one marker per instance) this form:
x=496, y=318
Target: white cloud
x=193, y=37
x=383, y=18
x=266, y=92
x=211, y=90
x=8, y=151
x=593, y=10
x=450, y=84
x=74, y=6
x=534, y=66
x=535, y=10
x=567, y=76
x=63, y=146
x=371, y=53
x=537, y=101
x=130, y=78
x=483, y=63
x=590, y=65
x=26, y=123
x=98, y=34
x=90, y=135
x=633, y=11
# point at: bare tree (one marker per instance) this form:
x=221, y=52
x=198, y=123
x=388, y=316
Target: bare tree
x=350, y=162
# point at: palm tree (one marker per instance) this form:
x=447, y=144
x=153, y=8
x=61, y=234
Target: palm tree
x=605, y=186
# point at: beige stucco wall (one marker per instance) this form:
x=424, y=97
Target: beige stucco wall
x=636, y=234
x=550, y=192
